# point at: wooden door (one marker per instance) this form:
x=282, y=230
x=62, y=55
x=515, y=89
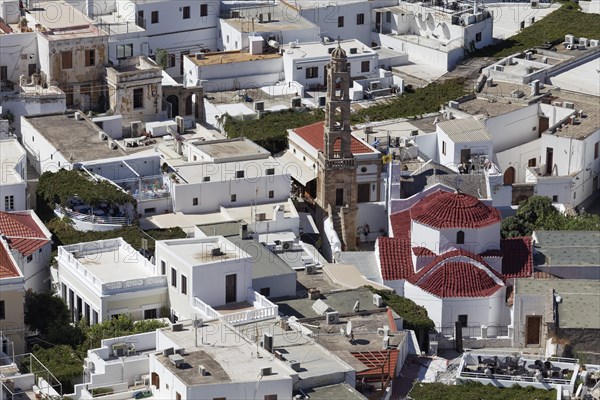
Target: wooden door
x=230, y=288
x=509, y=176
x=364, y=192
x=532, y=329
x=465, y=156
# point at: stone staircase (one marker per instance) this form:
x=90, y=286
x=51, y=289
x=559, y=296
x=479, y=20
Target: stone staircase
x=337, y=223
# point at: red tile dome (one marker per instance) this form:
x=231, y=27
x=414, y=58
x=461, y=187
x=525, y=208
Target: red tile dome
x=455, y=210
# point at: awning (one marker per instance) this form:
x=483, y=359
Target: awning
x=296, y=168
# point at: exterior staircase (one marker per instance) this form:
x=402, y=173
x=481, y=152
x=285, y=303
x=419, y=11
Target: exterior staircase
x=337, y=223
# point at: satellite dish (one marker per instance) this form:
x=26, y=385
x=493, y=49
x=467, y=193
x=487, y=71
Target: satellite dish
x=349, y=328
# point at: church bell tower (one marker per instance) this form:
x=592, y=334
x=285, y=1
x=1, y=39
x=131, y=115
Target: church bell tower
x=336, y=177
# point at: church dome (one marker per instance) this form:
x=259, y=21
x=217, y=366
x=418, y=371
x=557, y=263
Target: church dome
x=338, y=53
x=455, y=210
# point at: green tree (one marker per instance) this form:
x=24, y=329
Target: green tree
x=538, y=213
x=43, y=310
x=162, y=58
x=414, y=316
x=64, y=363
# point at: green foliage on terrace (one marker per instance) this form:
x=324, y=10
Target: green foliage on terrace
x=65, y=234
x=63, y=345
x=477, y=391
x=414, y=316
x=59, y=187
x=552, y=28
x=270, y=131
x=538, y=213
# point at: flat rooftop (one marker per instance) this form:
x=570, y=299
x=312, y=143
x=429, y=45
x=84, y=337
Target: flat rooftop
x=283, y=18
x=231, y=149
x=227, y=355
x=353, y=48
x=589, y=123
x=226, y=171
x=84, y=145
x=228, y=57
x=580, y=299
x=114, y=265
x=315, y=361
x=116, y=24
x=341, y=301
x=567, y=248
x=200, y=251
x=490, y=108
x=57, y=15
x=582, y=78
x=12, y=152
x=331, y=392
x=264, y=262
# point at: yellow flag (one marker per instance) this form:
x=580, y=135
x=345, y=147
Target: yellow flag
x=386, y=159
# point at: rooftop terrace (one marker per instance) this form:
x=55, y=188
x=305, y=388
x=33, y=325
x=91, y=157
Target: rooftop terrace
x=227, y=57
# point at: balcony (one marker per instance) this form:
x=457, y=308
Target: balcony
x=339, y=163
x=256, y=308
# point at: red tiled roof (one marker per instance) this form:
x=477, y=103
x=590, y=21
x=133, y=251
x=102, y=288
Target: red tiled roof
x=395, y=258
x=22, y=232
x=454, y=210
x=314, y=135
x=453, y=254
x=8, y=269
x=458, y=279
x=517, y=260
x=401, y=221
x=544, y=275
x=423, y=252
x=491, y=253
x=377, y=362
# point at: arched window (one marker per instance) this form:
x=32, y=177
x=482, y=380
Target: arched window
x=460, y=237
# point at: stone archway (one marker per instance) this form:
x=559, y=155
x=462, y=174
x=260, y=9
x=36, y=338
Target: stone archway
x=189, y=105
x=174, y=102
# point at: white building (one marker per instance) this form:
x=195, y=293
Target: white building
x=179, y=28
x=546, y=308
x=13, y=183
x=244, y=26
x=351, y=19
x=100, y=280
x=232, y=70
x=30, y=244
x=438, y=37
x=211, y=278
x=272, y=276
x=462, y=143
x=224, y=173
x=305, y=62
x=445, y=254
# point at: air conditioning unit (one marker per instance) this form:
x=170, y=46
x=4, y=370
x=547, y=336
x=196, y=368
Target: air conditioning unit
x=181, y=351
x=386, y=342
x=557, y=104
x=287, y=245
x=78, y=116
x=199, y=56
x=296, y=102
x=377, y=300
x=202, y=370
x=136, y=128
x=594, y=42
x=167, y=352
x=332, y=317
x=90, y=366
x=569, y=104
x=453, y=104
x=119, y=349
x=266, y=371
x=310, y=269
x=374, y=85
x=261, y=216
x=102, y=136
